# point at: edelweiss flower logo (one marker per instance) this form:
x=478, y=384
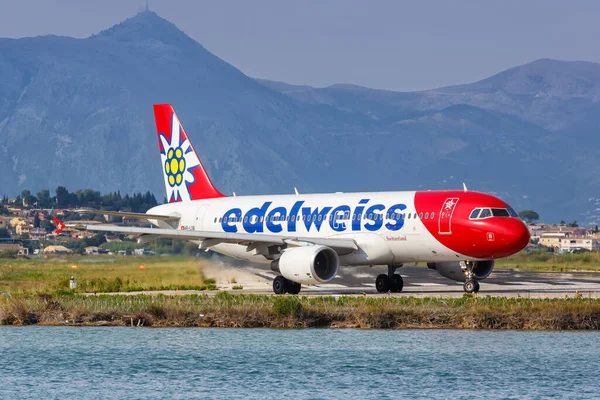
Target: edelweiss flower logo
x=175, y=166
x=178, y=160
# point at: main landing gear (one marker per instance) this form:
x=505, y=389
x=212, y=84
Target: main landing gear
x=391, y=282
x=471, y=285
x=283, y=286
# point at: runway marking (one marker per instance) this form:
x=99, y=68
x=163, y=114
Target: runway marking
x=578, y=283
x=266, y=275
x=426, y=284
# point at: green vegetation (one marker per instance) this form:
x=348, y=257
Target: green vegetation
x=103, y=274
x=529, y=215
x=227, y=310
x=138, y=202
x=542, y=260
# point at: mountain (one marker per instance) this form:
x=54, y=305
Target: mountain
x=78, y=113
x=543, y=118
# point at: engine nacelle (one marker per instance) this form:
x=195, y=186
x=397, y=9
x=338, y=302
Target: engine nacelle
x=454, y=270
x=308, y=265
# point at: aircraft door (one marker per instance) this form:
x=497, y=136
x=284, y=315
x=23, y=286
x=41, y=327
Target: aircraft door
x=199, y=223
x=445, y=216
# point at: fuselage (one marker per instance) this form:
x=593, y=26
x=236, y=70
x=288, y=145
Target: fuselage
x=388, y=227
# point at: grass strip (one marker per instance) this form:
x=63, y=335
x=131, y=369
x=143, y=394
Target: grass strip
x=249, y=311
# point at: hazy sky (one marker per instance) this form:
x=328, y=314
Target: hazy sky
x=399, y=45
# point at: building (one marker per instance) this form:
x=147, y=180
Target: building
x=570, y=244
x=37, y=233
x=4, y=222
x=9, y=246
x=16, y=221
x=56, y=250
x=95, y=250
x=551, y=239
x=23, y=251
x=22, y=230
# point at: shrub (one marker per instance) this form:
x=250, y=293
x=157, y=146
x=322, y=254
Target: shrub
x=9, y=253
x=223, y=297
x=287, y=305
x=237, y=287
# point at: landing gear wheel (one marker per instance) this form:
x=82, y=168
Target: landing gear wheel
x=397, y=283
x=471, y=286
x=280, y=285
x=293, y=287
x=383, y=283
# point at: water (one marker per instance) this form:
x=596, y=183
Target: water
x=63, y=362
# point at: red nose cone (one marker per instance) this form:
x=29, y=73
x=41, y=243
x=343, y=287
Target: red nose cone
x=515, y=236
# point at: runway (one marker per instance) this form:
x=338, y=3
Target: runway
x=418, y=282
x=423, y=282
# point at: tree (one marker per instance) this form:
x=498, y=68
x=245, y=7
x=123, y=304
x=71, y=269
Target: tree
x=596, y=229
x=28, y=198
x=62, y=196
x=573, y=224
x=47, y=225
x=96, y=240
x=529, y=215
x=4, y=234
x=44, y=200
x=36, y=220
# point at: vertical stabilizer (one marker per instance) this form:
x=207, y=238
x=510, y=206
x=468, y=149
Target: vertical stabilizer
x=185, y=177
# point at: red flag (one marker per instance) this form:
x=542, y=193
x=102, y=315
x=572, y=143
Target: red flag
x=445, y=218
x=59, y=226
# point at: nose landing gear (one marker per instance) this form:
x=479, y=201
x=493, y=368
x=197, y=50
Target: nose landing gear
x=391, y=282
x=471, y=285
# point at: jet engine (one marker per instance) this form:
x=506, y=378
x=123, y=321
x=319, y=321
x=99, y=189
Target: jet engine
x=456, y=270
x=308, y=265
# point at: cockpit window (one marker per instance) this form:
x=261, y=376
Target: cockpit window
x=485, y=213
x=500, y=212
x=480, y=213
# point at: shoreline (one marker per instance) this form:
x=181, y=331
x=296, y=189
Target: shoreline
x=261, y=311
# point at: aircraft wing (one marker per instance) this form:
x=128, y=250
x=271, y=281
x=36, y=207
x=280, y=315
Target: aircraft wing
x=131, y=215
x=340, y=245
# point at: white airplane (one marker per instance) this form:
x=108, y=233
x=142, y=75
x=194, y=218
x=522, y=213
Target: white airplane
x=307, y=238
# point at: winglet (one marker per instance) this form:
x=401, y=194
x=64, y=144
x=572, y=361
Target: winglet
x=464, y=187
x=59, y=226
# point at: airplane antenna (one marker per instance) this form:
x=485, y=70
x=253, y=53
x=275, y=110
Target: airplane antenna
x=464, y=187
x=296, y=191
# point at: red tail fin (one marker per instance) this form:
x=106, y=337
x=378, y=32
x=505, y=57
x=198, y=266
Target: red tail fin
x=59, y=226
x=185, y=177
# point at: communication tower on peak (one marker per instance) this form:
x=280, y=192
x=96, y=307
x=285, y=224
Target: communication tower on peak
x=143, y=9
